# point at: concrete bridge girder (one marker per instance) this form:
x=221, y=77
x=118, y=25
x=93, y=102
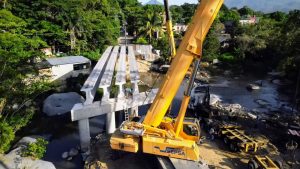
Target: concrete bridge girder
x=101, y=77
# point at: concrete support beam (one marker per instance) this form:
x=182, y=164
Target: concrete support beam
x=109, y=72
x=84, y=134
x=134, y=74
x=80, y=111
x=101, y=77
x=91, y=84
x=121, y=71
x=134, y=78
x=105, y=83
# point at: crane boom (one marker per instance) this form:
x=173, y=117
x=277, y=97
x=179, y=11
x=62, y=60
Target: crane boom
x=190, y=48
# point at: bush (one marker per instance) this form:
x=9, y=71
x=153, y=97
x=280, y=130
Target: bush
x=114, y=91
x=227, y=57
x=99, y=94
x=36, y=149
x=6, y=136
x=92, y=55
x=141, y=40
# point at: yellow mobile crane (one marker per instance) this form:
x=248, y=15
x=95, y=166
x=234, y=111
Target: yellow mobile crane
x=160, y=135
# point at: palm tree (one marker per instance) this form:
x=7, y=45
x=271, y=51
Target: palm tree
x=152, y=23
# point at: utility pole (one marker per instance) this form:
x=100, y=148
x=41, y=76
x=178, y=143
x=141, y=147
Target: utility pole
x=125, y=31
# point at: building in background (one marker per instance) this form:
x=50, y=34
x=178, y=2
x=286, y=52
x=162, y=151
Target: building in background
x=62, y=68
x=248, y=20
x=179, y=28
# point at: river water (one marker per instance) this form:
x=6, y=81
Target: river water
x=64, y=133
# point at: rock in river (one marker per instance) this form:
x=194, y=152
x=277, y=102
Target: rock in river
x=262, y=102
x=253, y=87
x=65, y=155
x=61, y=103
x=73, y=152
x=14, y=159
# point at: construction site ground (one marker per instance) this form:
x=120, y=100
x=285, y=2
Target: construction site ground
x=213, y=152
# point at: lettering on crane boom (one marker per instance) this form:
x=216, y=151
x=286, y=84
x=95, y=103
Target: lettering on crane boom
x=171, y=150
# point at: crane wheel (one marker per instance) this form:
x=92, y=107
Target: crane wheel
x=252, y=164
x=278, y=163
x=233, y=147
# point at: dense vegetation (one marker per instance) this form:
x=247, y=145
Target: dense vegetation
x=86, y=27
x=271, y=41
x=36, y=149
x=76, y=27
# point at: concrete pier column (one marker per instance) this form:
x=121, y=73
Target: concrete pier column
x=110, y=122
x=84, y=134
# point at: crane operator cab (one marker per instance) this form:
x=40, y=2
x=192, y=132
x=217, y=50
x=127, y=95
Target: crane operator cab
x=191, y=127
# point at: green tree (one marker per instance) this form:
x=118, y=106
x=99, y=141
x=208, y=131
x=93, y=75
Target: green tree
x=177, y=14
x=152, y=22
x=19, y=84
x=244, y=11
x=278, y=16
x=188, y=12
x=289, y=43
x=132, y=13
x=211, y=46
x=229, y=15
x=75, y=26
x=162, y=44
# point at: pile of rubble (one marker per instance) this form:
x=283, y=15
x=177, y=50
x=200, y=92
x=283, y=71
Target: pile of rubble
x=233, y=110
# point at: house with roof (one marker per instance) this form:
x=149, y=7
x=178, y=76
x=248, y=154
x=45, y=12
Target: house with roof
x=179, y=28
x=61, y=68
x=248, y=20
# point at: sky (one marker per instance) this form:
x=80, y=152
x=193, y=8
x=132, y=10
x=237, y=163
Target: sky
x=259, y=5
